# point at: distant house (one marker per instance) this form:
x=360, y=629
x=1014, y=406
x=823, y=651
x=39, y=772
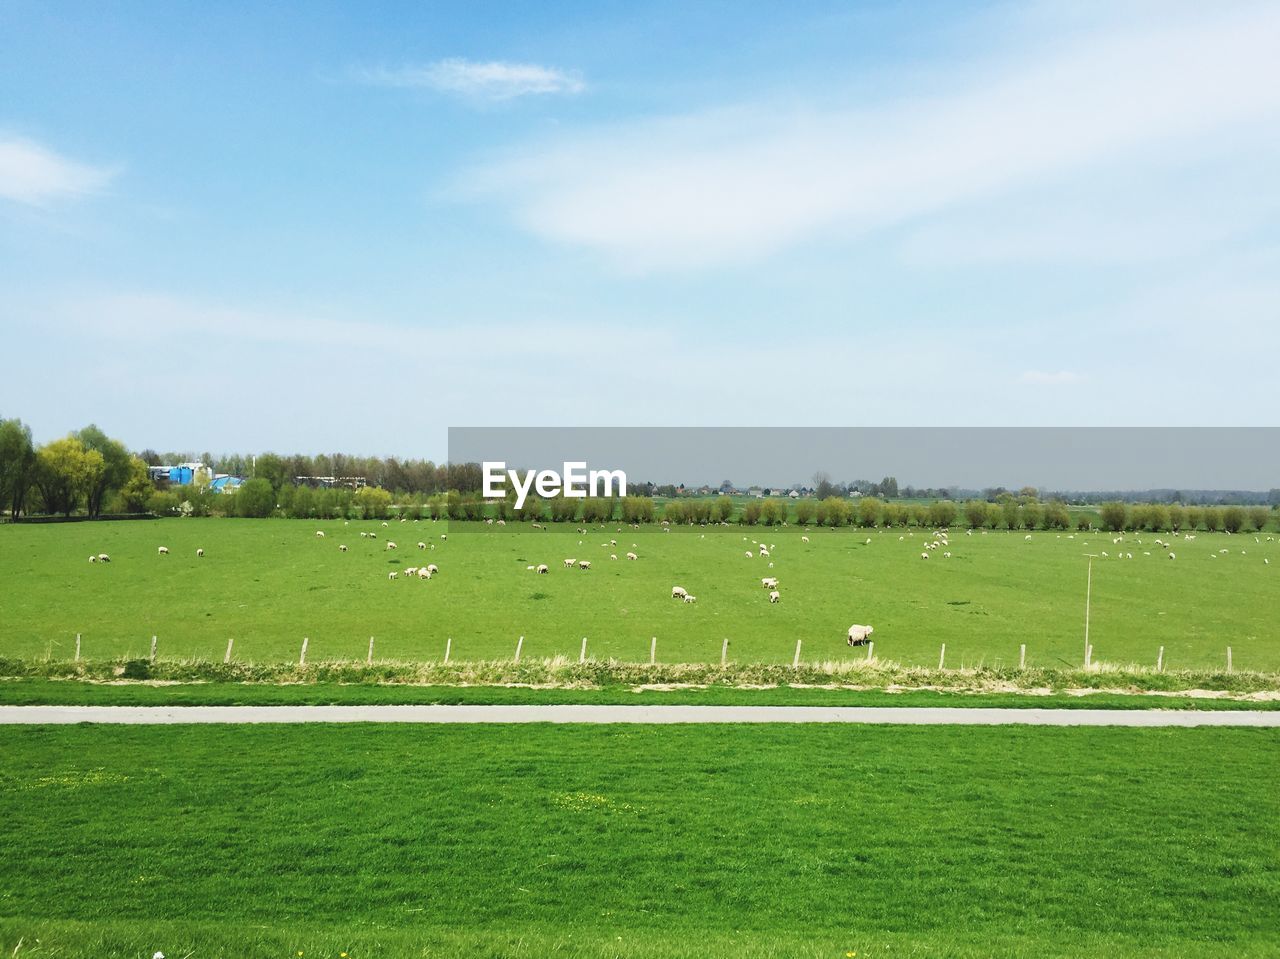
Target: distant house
x=755, y=491
x=794, y=494
x=222, y=483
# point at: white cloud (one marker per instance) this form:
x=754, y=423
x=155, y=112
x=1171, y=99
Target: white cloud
x=734, y=185
x=1043, y=378
x=33, y=174
x=493, y=80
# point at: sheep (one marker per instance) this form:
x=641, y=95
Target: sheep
x=319, y=534
x=613, y=555
x=502, y=522
x=103, y=558
x=924, y=555
x=1173, y=556
x=584, y=564
x=93, y=559
x=570, y=563
x=425, y=573
x=946, y=555
x=411, y=571
x=804, y=539
x=364, y=535
x=446, y=535
x=384, y=524
x=391, y=575
x=391, y=545
x=422, y=546
x=632, y=556
x=775, y=596
x=769, y=582
x=199, y=552
x=690, y=598
x=432, y=568
x=613, y=542
x=342, y=549
x=678, y=592
x=1266, y=562
x=542, y=568
x=860, y=635
x=868, y=542
x=529, y=568
x=748, y=554
x=162, y=550
x=1027, y=538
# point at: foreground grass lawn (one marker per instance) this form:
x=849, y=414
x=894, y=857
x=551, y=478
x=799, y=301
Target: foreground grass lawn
x=639, y=841
x=268, y=583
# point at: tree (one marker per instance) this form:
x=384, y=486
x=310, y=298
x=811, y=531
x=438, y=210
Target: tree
x=1194, y=517
x=255, y=499
x=1258, y=516
x=889, y=487
x=724, y=508
x=822, y=485
x=1056, y=515
x=1233, y=519
x=115, y=467
x=65, y=471
x=976, y=512
x=942, y=513
x=17, y=465
x=1212, y=519
x=1114, y=515
x=869, y=511
x=136, y=490
x=1177, y=517
x=805, y=510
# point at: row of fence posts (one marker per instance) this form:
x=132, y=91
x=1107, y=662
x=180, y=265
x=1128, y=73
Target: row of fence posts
x=653, y=653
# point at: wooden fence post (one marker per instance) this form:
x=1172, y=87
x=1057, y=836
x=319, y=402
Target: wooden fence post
x=942, y=657
x=1022, y=656
x=1160, y=661
x=519, y=646
x=724, y=651
x=871, y=648
x=448, y=648
x=77, y=647
x=227, y=656
x=1228, y=659
x=582, y=653
x=369, y=658
x=302, y=657
x=795, y=661
x=153, y=649
x=653, y=650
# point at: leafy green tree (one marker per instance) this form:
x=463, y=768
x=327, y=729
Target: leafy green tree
x=1115, y=515
x=805, y=510
x=1258, y=516
x=1030, y=514
x=273, y=469
x=1233, y=519
x=976, y=512
x=255, y=499
x=895, y=514
x=115, y=467
x=1194, y=517
x=772, y=512
x=302, y=504
x=374, y=502
x=1212, y=519
x=1177, y=517
x=17, y=465
x=724, y=509
x=870, y=511
x=839, y=512
x=942, y=513
x=751, y=512
x=1056, y=515
x=65, y=471
x=136, y=490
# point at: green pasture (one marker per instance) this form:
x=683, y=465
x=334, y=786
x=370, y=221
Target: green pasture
x=269, y=583
x=379, y=841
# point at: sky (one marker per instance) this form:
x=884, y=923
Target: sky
x=321, y=227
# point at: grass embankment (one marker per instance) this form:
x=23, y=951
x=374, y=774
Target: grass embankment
x=639, y=841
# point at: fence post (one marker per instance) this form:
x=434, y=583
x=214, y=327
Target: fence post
x=519, y=646
x=153, y=649
x=582, y=653
x=1160, y=661
x=369, y=657
x=724, y=651
x=1088, y=656
x=302, y=657
x=227, y=656
x=1228, y=659
x=1022, y=656
x=653, y=650
x=871, y=648
x=448, y=648
x=942, y=657
x=77, y=647
x=795, y=662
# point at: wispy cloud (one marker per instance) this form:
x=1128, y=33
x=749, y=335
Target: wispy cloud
x=732, y=185
x=33, y=174
x=492, y=80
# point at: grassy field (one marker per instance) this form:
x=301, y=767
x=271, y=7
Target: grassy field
x=269, y=583
x=639, y=841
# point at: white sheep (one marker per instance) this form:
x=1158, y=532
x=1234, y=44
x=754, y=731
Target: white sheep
x=432, y=568
x=690, y=598
x=678, y=592
x=364, y=535
x=411, y=571
x=391, y=545
x=804, y=539
x=1173, y=556
x=199, y=552
x=425, y=573
x=342, y=549
x=946, y=555
x=769, y=582
x=384, y=524
x=103, y=558
x=163, y=550
x=320, y=534
x=569, y=563
x=422, y=546
x=542, y=568
x=391, y=575
x=446, y=535
x=748, y=554
x=632, y=556
x=613, y=555
x=763, y=551
x=775, y=596
x=93, y=559
x=859, y=635
x=1027, y=537
x=584, y=564
x=924, y=555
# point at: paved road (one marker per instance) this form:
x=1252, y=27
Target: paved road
x=911, y=716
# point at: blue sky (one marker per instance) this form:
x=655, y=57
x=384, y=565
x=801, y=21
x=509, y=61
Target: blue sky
x=322, y=227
